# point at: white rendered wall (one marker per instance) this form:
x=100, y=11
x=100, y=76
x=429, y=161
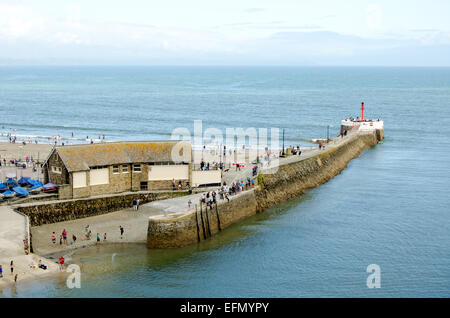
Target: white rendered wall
x=205, y=177
x=177, y=172
x=99, y=176
x=79, y=180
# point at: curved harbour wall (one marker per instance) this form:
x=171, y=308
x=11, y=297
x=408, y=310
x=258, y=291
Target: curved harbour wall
x=294, y=179
x=289, y=181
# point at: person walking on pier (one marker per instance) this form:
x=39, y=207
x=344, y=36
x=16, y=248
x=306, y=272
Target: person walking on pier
x=121, y=231
x=1, y=271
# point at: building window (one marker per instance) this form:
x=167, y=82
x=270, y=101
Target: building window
x=98, y=167
x=124, y=169
x=56, y=169
x=144, y=186
x=115, y=169
x=137, y=168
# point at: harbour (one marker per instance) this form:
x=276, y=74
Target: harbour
x=324, y=200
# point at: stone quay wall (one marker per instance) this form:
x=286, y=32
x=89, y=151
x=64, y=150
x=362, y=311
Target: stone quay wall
x=59, y=211
x=201, y=224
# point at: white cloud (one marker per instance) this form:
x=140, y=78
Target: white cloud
x=27, y=33
x=28, y=25
x=374, y=17
x=254, y=10
x=20, y=21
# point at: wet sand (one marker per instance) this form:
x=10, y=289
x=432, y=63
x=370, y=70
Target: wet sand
x=135, y=224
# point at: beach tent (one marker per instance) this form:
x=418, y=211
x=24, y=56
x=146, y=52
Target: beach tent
x=21, y=191
x=3, y=187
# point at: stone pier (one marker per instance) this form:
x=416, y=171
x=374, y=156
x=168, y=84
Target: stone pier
x=294, y=176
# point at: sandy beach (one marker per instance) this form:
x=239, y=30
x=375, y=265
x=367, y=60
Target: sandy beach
x=12, y=233
x=16, y=151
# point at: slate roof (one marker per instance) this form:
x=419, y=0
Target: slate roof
x=83, y=157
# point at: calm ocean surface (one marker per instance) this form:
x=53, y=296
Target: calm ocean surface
x=389, y=207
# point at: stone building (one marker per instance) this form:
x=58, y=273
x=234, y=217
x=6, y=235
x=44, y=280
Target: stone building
x=95, y=169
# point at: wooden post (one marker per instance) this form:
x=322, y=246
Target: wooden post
x=196, y=221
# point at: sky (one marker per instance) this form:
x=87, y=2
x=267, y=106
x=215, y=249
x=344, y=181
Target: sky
x=231, y=32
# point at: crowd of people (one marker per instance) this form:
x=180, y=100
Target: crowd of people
x=28, y=162
x=64, y=237
x=51, y=140
x=224, y=192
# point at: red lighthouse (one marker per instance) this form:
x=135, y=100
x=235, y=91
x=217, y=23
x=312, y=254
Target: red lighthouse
x=362, y=111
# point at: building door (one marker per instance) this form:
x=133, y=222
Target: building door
x=144, y=186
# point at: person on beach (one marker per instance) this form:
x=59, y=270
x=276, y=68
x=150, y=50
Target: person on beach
x=137, y=204
x=134, y=205
x=15, y=279
x=61, y=263
x=12, y=267
x=104, y=237
x=121, y=231
x=74, y=238
x=41, y=265
x=189, y=203
x=1, y=271
x=54, y=239
x=60, y=239
x=64, y=234
x=87, y=232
